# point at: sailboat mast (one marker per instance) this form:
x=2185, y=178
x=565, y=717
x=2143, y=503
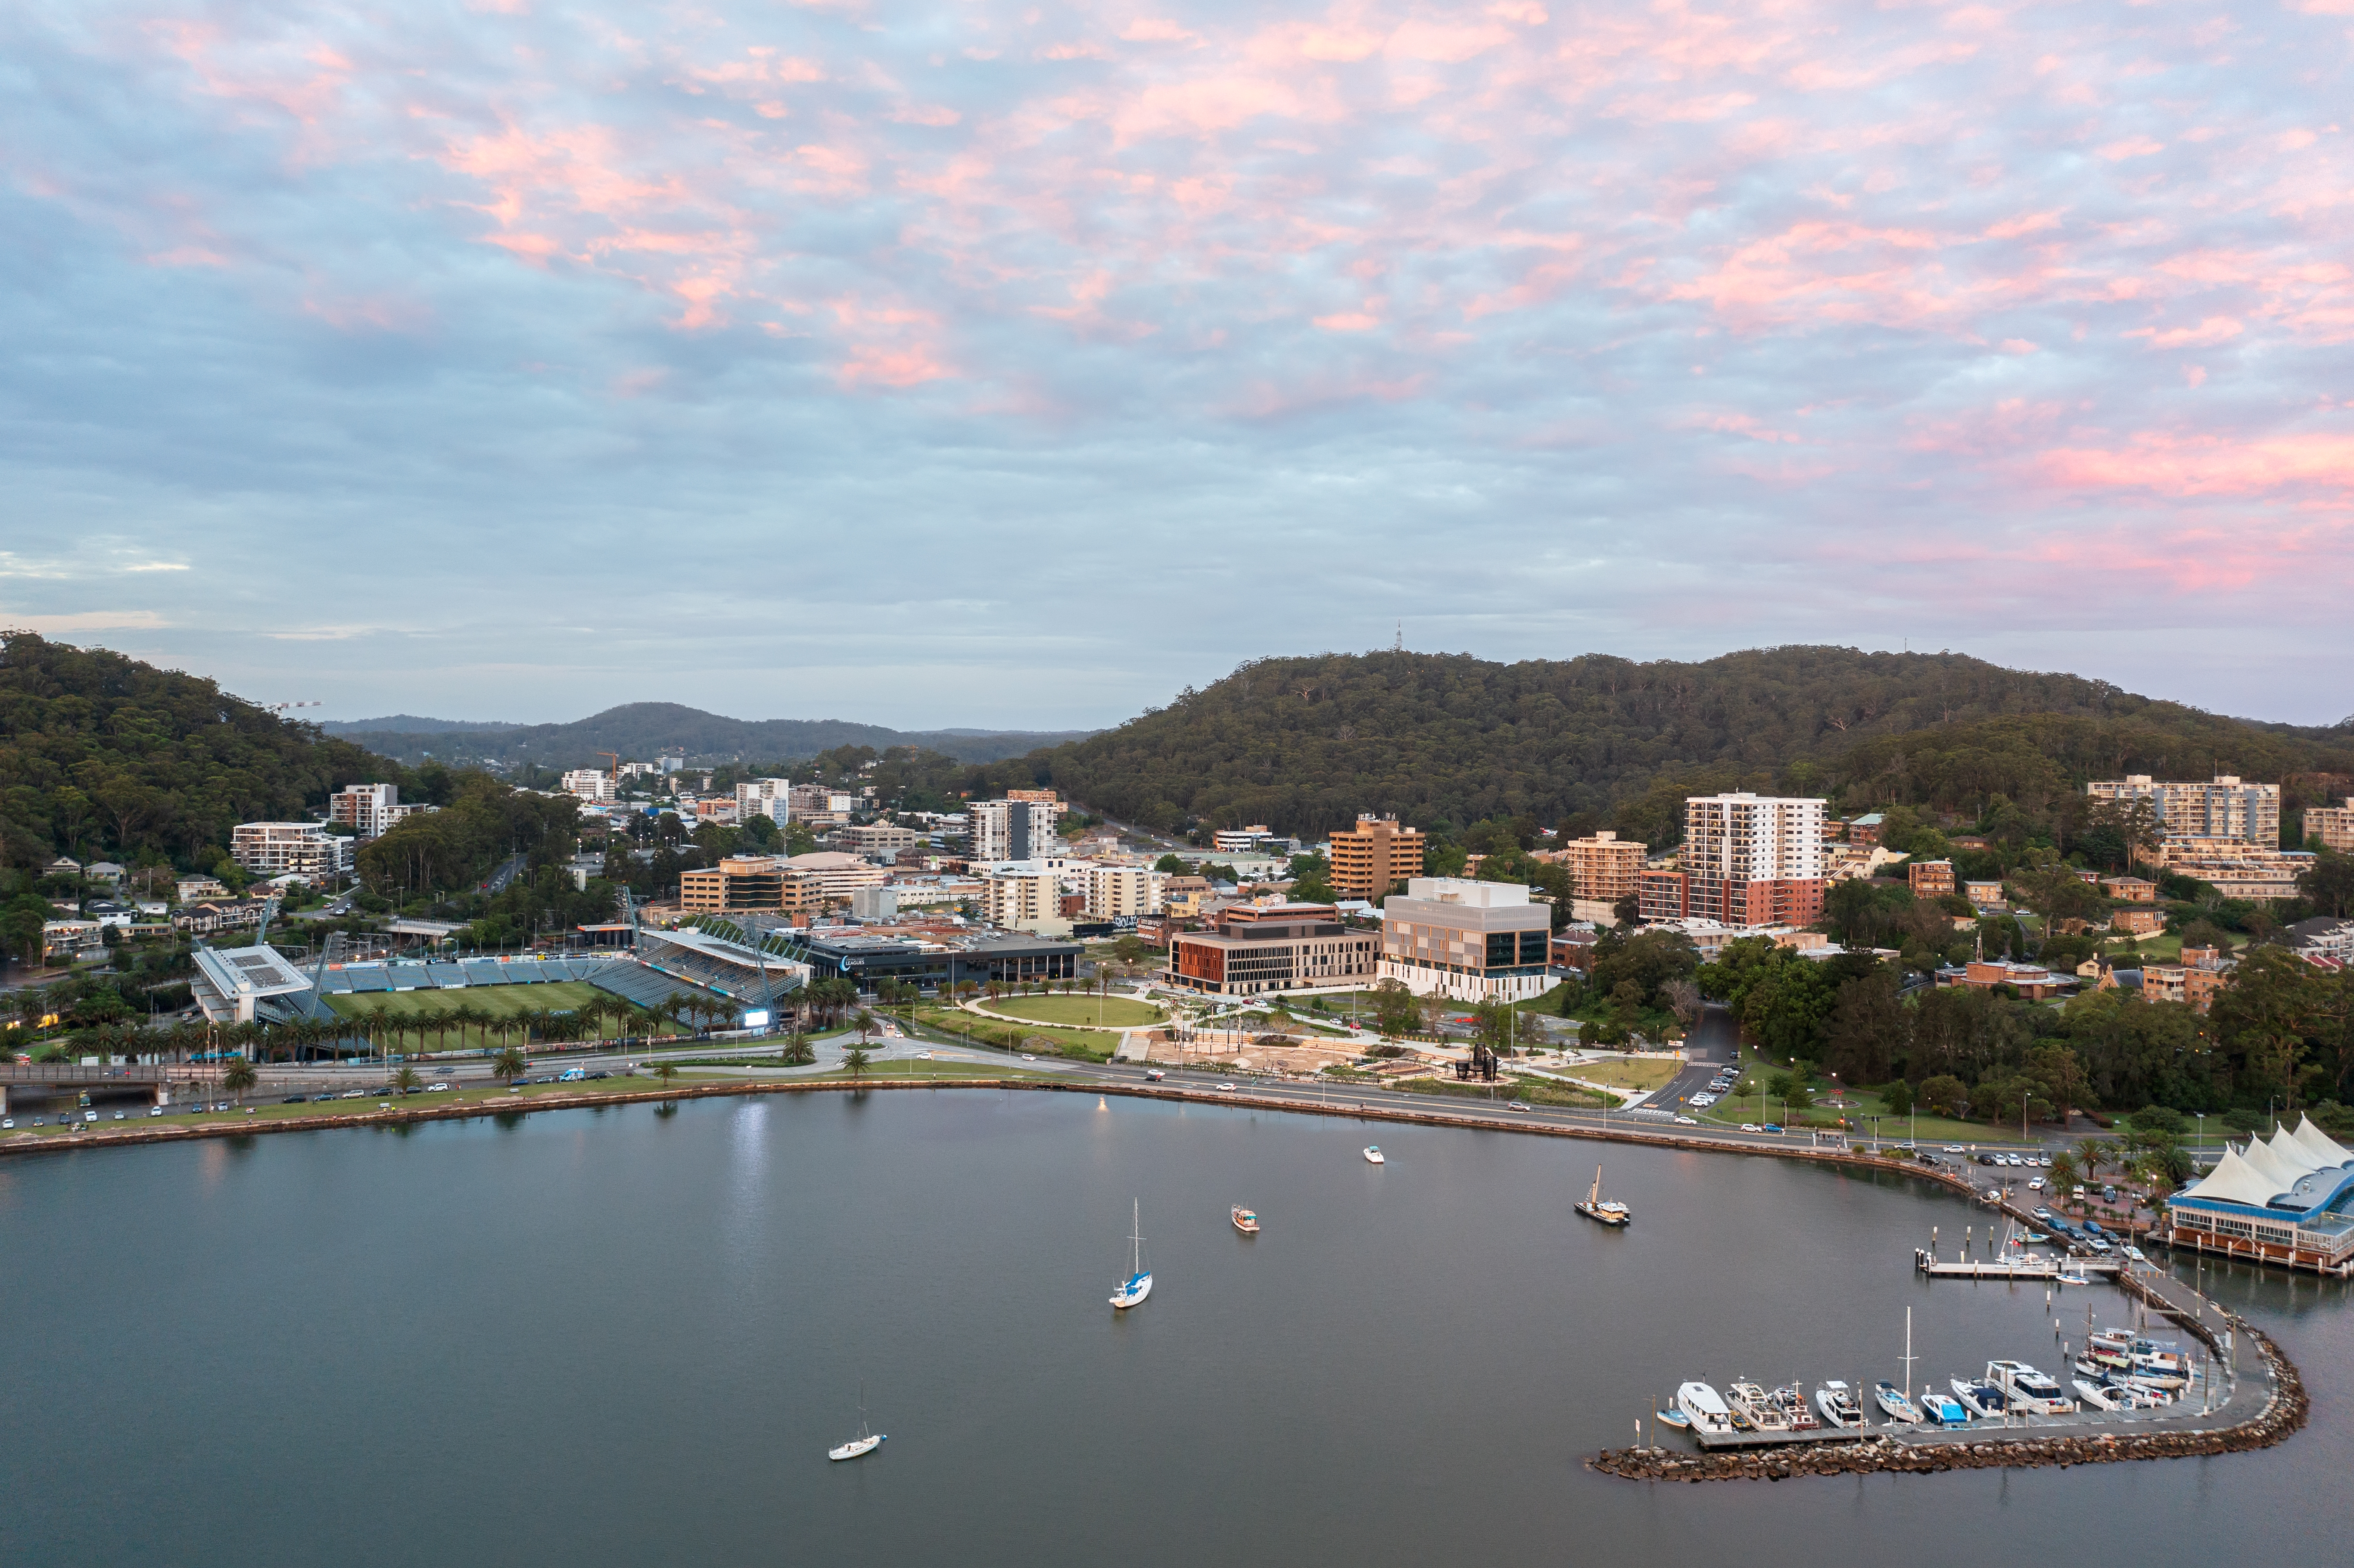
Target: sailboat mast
x=1908, y=1352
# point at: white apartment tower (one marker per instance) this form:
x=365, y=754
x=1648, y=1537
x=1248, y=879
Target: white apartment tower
x=1013, y=830
x=369, y=809
x=770, y=798
x=589, y=784
x=2226, y=809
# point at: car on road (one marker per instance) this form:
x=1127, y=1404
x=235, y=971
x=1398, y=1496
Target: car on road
x=1027, y=1057
x=1703, y=1101
x=436, y=1088
x=573, y=1076
x=6, y=1123
x=1771, y=1127
x=2044, y=1215
x=2135, y=1254
x=1751, y=1126
x=294, y=1099
x=355, y=1094
x=154, y=1110
x=1515, y=1106
x=1225, y=1088
x=1154, y=1074
x=2035, y=1184
x=1687, y=1121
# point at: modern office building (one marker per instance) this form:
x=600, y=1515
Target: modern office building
x=369, y=809
x=1477, y=941
x=1747, y=860
x=1254, y=948
x=274, y=849
x=2333, y=825
x=739, y=882
x=1020, y=827
x=1373, y=856
x=2225, y=809
x=1258, y=837
x=2280, y=1200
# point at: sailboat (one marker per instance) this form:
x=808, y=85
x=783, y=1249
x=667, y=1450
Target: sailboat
x=1895, y=1403
x=1610, y=1210
x=866, y=1442
x=1139, y=1284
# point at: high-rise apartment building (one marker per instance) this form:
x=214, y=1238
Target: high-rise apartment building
x=369, y=809
x=1374, y=856
x=2225, y=809
x=273, y=849
x=590, y=784
x=1020, y=827
x=1602, y=869
x=1116, y=891
x=1025, y=901
x=2333, y=825
x=1747, y=860
x=770, y=798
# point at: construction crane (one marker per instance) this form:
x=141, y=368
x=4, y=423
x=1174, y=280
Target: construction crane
x=613, y=772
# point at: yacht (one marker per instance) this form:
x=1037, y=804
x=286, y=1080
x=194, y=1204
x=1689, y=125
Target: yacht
x=1838, y=1405
x=1139, y=1284
x=1981, y=1397
x=865, y=1442
x=2097, y=1395
x=1893, y=1404
x=1752, y=1401
x=1793, y=1405
x=1244, y=1220
x=1595, y=1206
x=1374, y=1154
x=1943, y=1410
x=2029, y=1390
x=1704, y=1408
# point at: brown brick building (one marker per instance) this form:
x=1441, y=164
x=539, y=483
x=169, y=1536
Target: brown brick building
x=1374, y=856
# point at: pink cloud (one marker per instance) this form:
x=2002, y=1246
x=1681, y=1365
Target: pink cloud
x=2206, y=335
x=2210, y=465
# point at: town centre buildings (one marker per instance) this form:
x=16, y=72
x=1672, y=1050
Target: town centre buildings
x=1477, y=941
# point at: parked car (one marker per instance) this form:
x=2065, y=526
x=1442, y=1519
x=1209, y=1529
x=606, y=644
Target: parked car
x=2108, y=1194
x=8, y=1123
x=2078, y=1194
x=1154, y=1074
x=2044, y=1215
x=572, y=1076
x=2035, y=1184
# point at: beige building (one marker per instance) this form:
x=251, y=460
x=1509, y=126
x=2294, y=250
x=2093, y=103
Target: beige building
x=1374, y=856
x=2225, y=809
x=879, y=840
x=273, y=849
x=747, y=882
x=1028, y=901
x=1475, y=941
x=1260, y=948
x=1602, y=869
x=1930, y=878
x=369, y=809
x=1117, y=891
x=2333, y=825
x=2236, y=868
x=836, y=875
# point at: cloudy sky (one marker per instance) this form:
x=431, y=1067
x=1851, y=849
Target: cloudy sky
x=1016, y=365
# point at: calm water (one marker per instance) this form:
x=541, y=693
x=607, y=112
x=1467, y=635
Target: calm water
x=623, y=1336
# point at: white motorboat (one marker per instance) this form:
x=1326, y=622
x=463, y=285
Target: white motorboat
x=1139, y=1284
x=1943, y=1410
x=865, y=1442
x=2026, y=1389
x=1595, y=1206
x=1704, y=1408
x=1669, y=1415
x=1758, y=1407
x=1374, y=1154
x=1978, y=1396
x=1893, y=1404
x=1837, y=1404
x=2095, y=1394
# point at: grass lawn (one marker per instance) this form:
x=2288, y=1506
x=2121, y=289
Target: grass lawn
x=1637, y=1074
x=500, y=1000
x=1015, y=1036
x=1115, y=1012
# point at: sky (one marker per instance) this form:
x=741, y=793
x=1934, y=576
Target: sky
x=1016, y=365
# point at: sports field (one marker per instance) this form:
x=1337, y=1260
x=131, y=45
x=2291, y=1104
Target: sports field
x=1118, y=1011
x=498, y=1001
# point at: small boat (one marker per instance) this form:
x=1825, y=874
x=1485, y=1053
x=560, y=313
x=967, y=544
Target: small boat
x=1893, y=1404
x=1668, y=1415
x=1244, y=1220
x=1139, y=1284
x=1838, y=1405
x=1595, y=1206
x=2096, y=1395
x=865, y=1442
x=1374, y=1154
x=1765, y=1414
x=1704, y=1408
x=1943, y=1410
x=1982, y=1397
x=1793, y=1405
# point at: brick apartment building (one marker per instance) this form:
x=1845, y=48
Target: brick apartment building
x=1374, y=856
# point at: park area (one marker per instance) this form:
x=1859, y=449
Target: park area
x=1636, y=1073
x=1105, y=1013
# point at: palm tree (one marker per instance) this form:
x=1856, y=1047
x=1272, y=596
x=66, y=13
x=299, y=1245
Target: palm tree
x=665, y=1071
x=238, y=1076
x=856, y=1060
x=509, y=1065
x=865, y=1024
x=406, y=1079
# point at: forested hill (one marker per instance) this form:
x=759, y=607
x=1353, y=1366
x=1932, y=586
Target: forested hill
x=643, y=730
x=1305, y=744
x=100, y=752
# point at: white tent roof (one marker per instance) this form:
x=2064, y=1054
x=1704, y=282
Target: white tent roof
x=2234, y=1180
x=2291, y=1153
x=2268, y=1165
x=2317, y=1144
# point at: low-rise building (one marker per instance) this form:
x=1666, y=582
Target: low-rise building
x=1117, y=891
x=2282, y=1199
x=1930, y=878
x=2032, y=981
x=881, y=841
x=192, y=889
x=1985, y=895
x=1478, y=941
x=747, y=882
x=1024, y=900
x=221, y=915
x=2333, y=825
x=2322, y=937
x=2137, y=922
x=1243, y=841
x=1256, y=949
x=2130, y=889
x=836, y=875
x=2236, y=869
x=273, y=849
x=1183, y=896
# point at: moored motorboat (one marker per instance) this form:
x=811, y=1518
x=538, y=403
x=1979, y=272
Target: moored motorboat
x=1943, y=1410
x=1751, y=1400
x=1374, y=1154
x=1792, y=1402
x=1837, y=1404
x=1595, y=1206
x=1979, y=1397
x=2097, y=1395
x=1669, y=1415
x=1244, y=1220
x=1704, y=1409
x=2027, y=1390
x=1894, y=1403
